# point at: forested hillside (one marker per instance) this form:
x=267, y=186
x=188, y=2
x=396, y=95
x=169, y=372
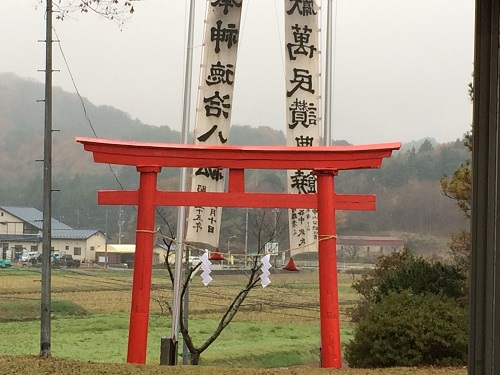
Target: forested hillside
x=409, y=200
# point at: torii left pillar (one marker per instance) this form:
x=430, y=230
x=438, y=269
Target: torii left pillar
x=141, y=284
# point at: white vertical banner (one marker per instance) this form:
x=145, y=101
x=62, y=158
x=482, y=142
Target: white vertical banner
x=302, y=60
x=213, y=117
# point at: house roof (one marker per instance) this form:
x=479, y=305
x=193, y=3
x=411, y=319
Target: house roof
x=33, y=216
x=20, y=237
x=78, y=234
x=122, y=249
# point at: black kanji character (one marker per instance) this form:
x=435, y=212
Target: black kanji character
x=302, y=113
x=304, y=141
x=215, y=105
x=305, y=184
x=212, y=173
x=301, y=39
x=208, y=134
x=302, y=80
x=227, y=35
x=304, y=7
x=226, y=4
x=220, y=74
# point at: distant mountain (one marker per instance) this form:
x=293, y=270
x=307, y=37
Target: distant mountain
x=22, y=128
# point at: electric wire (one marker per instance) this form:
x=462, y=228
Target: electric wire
x=81, y=101
x=279, y=38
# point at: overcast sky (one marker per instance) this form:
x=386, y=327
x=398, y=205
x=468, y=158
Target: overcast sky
x=401, y=66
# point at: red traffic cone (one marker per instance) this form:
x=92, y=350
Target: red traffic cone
x=216, y=255
x=290, y=266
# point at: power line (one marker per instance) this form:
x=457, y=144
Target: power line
x=82, y=102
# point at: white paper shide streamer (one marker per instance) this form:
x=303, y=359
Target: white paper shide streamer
x=205, y=269
x=266, y=265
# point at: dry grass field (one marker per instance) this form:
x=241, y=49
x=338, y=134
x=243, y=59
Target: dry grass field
x=32, y=365
x=291, y=297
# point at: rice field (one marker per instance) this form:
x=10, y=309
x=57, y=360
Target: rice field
x=290, y=298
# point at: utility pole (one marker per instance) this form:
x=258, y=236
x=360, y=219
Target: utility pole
x=327, y=126
x=106, y=240
x=246, y=236
x=45, y=308
x=229, y=261
x=120, y=224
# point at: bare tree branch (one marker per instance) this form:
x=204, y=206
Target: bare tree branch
x=116, y=10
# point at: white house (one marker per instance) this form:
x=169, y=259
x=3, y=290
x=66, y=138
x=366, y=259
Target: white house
x=21, y=232
x=124, y=254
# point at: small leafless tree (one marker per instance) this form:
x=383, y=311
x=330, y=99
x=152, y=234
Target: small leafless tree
x=262, y=227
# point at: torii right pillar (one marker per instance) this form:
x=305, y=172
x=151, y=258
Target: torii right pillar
x=484, y=327
x=331, y=354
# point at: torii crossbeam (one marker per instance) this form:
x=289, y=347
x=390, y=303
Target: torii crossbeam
x=325, y=161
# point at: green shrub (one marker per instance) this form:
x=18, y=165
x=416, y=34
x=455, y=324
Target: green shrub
x=405, y=329
x=422, y=277
x=367, y=285
x=401, y=271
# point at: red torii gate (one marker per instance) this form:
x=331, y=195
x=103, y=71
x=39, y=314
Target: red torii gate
x=326, y=161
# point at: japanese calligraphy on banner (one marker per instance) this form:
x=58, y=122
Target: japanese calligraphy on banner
x=222, y=29
x=302, y=106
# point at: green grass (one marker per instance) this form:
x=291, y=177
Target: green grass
x=103, y=338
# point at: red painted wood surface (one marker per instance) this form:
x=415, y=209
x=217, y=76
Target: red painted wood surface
x=143, y=267
x=331, y=354
x=149, y=158
x=364, y=202
x=238, y=157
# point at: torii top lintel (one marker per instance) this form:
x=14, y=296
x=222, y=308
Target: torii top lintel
x=238, y=157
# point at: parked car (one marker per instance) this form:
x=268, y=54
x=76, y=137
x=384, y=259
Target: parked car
x=5, y=263
x=66, y=261
x=26, y=257
x=58, y=261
